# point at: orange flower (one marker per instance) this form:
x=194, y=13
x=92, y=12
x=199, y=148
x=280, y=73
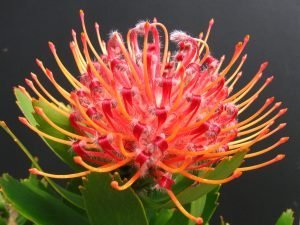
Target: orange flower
x=157, y=112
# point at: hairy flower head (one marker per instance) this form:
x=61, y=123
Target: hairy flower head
x=137, y=104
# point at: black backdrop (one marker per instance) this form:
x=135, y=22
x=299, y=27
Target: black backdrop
x=256, y=198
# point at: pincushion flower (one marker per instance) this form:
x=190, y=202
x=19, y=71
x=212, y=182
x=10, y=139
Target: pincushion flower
x=136, y=104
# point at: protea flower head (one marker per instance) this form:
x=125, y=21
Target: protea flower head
x=137, y=104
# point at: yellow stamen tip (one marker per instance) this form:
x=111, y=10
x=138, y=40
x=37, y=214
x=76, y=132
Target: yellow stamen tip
x=38, y=110
x=280, y=157
x=34, y=171
x=147, y=25
x=237, y=173
x=247, y=38
x=284, y=139
x=199, y=220
x=77, y=159
x=23, y=120
x=114, y=184
x=81, y=12
x=51, y=46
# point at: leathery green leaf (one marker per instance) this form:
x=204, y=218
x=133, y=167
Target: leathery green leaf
x=37, y=205
x=286, y=218
x=107, y=206
x=26, y=105
x=73, y=198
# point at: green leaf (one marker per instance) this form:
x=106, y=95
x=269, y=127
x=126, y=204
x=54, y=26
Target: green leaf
x=3, y=221
x=107, y=206
x=73, y=198
x=210, y=205
x=162, y=217
x=25, y=105
x=197, y=208
x=38, y=205
x=286, y=218
x=62, y=151
x=178, y=218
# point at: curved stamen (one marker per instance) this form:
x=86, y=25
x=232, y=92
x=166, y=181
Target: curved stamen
x=59, y=104
x=103, y=49
x=102, y=169
x=58, y=176
x=235, y=175
x=197, y=220
x=258, y=166
x=41, y=112
x=261, y=152
x=115, y=184
x=62, y=141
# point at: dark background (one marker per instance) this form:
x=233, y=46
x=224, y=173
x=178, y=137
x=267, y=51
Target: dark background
x=258, y=197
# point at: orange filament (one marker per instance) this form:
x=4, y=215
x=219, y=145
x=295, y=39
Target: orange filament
x=197, y=153
x=78, y=62
x=227, y=153
x=62, y=91
x=207, y=52
x=258, y=127
x=102, y=169
x=211, y=22
x=230, y=88
x=62, y=141
x=145, y=63
x=235, y=175
x=254, y=80
x=179, y=96
x=239, y=49
x=166, y=47
x=128, y=44
x=73, y=81
x=107, y=70
x=122, y=107
x=115, y=184
x=95, y=72
x=58, y=176
x=197, y=220
x=78, y=50
x=258, y=166
x=236, y=72
x=257, y=92
x=63, y=131
x=246, y=103
x=208, y=149
x=280, y=113
x=279, y=127
x=267, y=103
x=267, y=123
x=87, y=118
x=31, y=85
x=103, y=49
x=251, y=136
x=123, y=150
x=200, y=122
x=59, y=104
x=174, y=170
x=175, y=131
x=266, y=135
x=129, y=61
x=168, y=56
x=257, y=153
